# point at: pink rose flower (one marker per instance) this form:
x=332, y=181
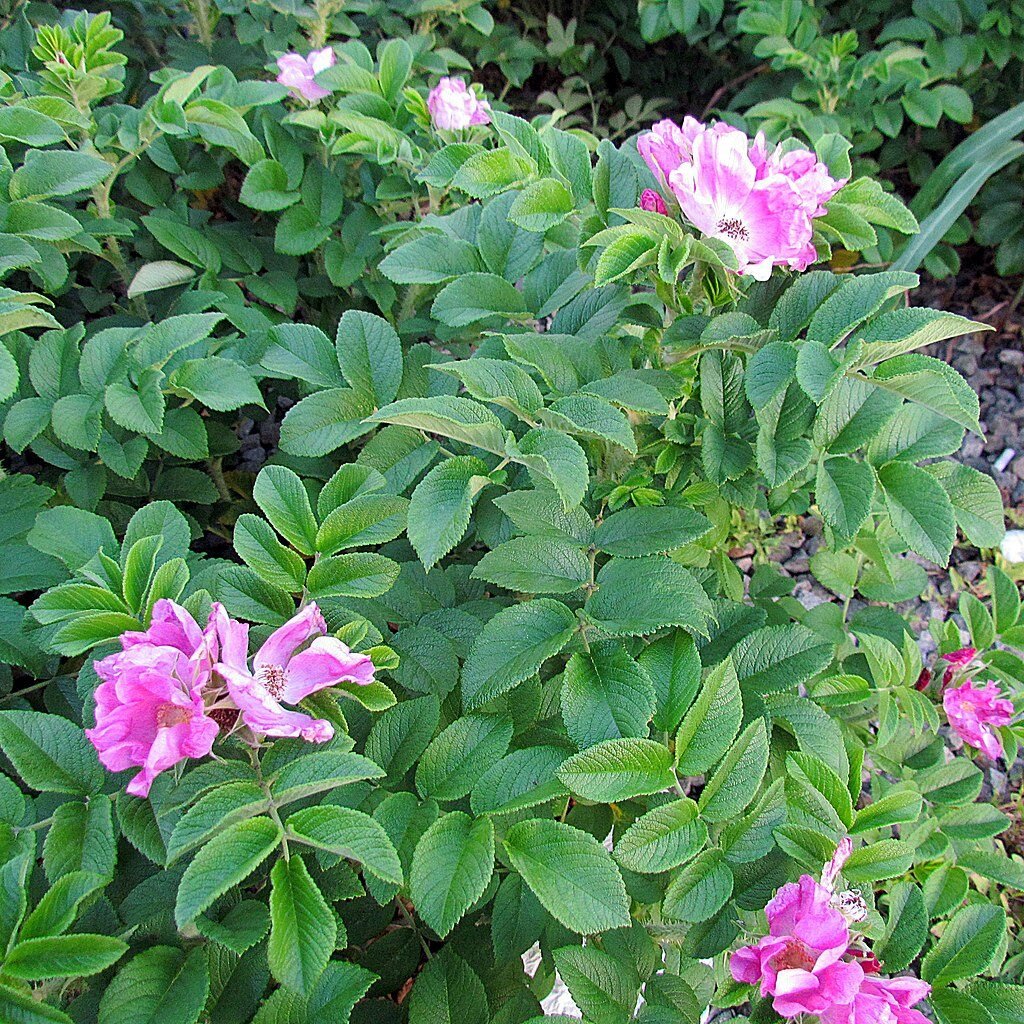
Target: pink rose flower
x=453, y=105
x=957, y=659
x=761, y=204
x=149, y=706
x=974, y=711
x=651, y=201
x=296, y=660
x=799, y=963
x=881, y=1001
x=299, y=73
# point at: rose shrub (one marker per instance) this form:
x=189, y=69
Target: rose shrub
x=461, y=665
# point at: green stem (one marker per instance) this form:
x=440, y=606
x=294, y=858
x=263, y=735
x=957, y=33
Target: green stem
x=408, y=918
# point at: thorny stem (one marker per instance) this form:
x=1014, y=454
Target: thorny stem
x=275, y=817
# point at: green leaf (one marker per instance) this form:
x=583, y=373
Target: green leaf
x=461, y=419
x=401, y=734
x=452, y=864
x=160, y=985
x=635, y=532
x=571, y=874
x=213, y=812
x=81, y=838
x=535, y=565
x=497, y=381
x=617, y=770
x=220, y=384
x=919, y=509
x=512, y=646
x=63, y=956
x=885, y=858
x=441, y=505
x=955, y=1006
x=541, y=205
x=976, y=500
x=226, y=860
x=48, y=173
x=592, y=418
x=460, y=754
x=637, y=596
x=968, y=946
x=996, y=866
x=845, y=491
x=893, y=809
x=906, y=928
x=302, y=926
x=139, y=409
x=319, y=772
x=257, y=545
x=556, y=457
x=370, y=356
x=28, y=126
x=348, y=833
x=605, y=695
x=712, y=722
x=266, y=187
x=448, y=991
x=19, y=1007
x=184, y=434
x=368, y=519
x=324, y=421
x=673, y=665
x=777, y=658
x=662, y=839
x=492, y=171
x=475, y=297
x=56, y=912
x=736, y=781
x=430, y=259
x=700, y=890
x=362, y=574
x=601, y=986
x=159, y=274
x=304, y=352
x=285, y=502
x=50, y=753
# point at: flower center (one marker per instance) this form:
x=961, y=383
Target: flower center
x=273, y=677
x=169, y=714
x=224, y=717
x=796, y=956
x=732, y=227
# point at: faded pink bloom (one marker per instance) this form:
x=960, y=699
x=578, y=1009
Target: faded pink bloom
x=761, y=204
x=299, y=73
x=453, y=105
x=666, y=146
x=974, y=711
x=830, y=872
x=149, y=705
x=651, y=201
x=881, y=1001
x=799, y=963
x=960, y=658
x=296, y=660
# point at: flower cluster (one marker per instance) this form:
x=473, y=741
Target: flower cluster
x=168, y=693
x=453, y=106
x=975, y=710
x=760, y=203
x=810, y=963
x=299, y=73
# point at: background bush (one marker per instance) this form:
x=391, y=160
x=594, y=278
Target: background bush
x=504, y=428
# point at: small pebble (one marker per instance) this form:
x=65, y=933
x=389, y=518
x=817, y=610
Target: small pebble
x=1004, y=460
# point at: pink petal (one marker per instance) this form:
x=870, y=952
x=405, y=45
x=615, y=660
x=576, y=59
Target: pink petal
x=282, y=644
x=266, y=716
x=326, y=662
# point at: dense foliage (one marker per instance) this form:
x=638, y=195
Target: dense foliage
x=458, y=413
